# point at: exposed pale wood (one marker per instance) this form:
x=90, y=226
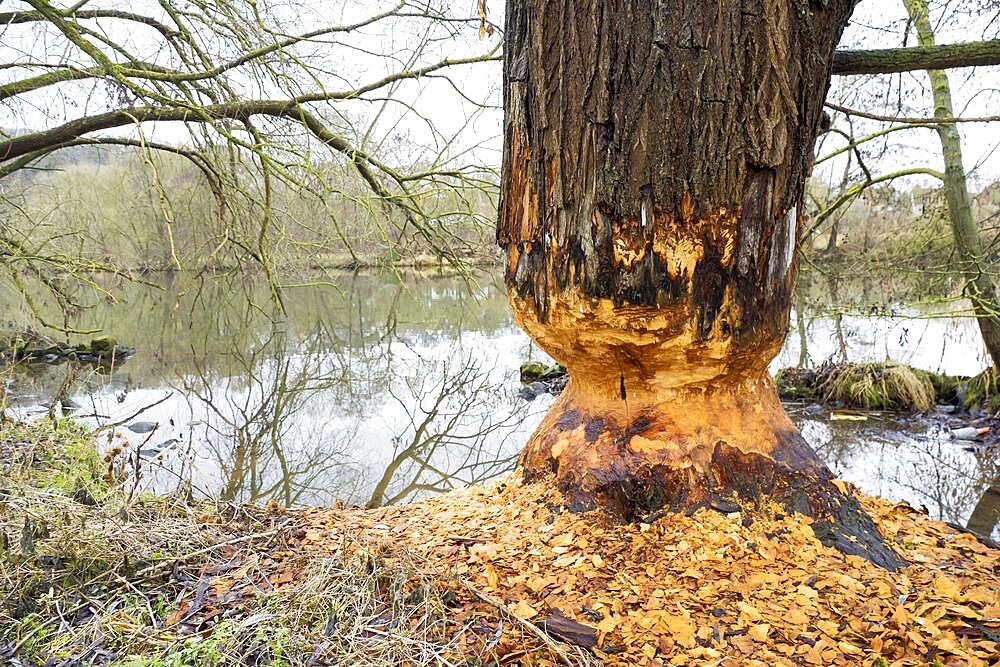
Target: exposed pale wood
x=654, y=166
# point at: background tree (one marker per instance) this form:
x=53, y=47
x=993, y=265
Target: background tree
x=257, y=99
x=972, y=259
x=945, y=246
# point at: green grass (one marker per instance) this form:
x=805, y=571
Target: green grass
x=55, y=455
x=983, y=388
x=207, y=651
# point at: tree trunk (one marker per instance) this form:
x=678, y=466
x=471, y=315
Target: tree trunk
x=986, y=514
x=973, y=265
x=831, y=243
x=654, y=167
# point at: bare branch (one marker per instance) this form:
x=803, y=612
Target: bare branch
x=942, y=56
x=910, y=121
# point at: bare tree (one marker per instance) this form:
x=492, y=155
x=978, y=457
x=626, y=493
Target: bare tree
x=884, y=133
x=968, y=243
x=256, y=98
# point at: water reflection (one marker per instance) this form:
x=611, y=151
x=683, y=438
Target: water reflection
x=903, y=459
x=258, y=429
x=372, y=390
x=454, y=434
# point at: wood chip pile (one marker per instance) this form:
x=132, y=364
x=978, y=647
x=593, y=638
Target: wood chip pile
x=528, y=582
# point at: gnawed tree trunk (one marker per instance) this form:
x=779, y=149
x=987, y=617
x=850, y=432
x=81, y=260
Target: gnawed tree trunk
x=654, y=167
x=973, y=265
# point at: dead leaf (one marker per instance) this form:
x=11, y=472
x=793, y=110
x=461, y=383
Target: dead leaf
x=524, y=610
x=760, y=632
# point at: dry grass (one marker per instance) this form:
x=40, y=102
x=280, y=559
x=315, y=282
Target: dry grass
x=365, y=605
x=377, y=603
x=90, y=575
x=887, y=385
x=86, y=570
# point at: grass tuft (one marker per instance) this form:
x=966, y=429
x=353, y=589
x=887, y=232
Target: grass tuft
x=983, y=388
x=887, y=386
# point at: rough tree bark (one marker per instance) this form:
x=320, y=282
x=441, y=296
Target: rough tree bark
x=973, y=265
x=654, y=166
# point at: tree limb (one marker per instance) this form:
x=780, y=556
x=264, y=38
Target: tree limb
x=910, y=121
x=34, y=16
x=858, y=188
x=942, y=56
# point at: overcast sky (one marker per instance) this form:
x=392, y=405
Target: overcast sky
x=435, y=111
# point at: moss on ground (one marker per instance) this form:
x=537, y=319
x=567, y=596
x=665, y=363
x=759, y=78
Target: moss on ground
x=532, y=371
x=57, y=456
x=795, y=383
x=983, y=390
x=884, y=386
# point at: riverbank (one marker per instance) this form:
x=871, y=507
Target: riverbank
x=499, y=574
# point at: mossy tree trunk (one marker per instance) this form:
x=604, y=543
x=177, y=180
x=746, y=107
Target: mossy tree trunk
x=654, y=166
x=968, y=244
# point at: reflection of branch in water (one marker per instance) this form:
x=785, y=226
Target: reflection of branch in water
x=898, y=457
x=265, y=387
x=62, y=392
x=945, y=477
x=838, y=320
x=986, y=515
x=447, y=442
x=802, y=328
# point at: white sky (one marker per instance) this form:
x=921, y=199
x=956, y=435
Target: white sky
x=975, y=91
x=435, y=112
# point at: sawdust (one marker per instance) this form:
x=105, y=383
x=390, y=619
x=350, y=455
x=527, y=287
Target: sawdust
x=706, y=589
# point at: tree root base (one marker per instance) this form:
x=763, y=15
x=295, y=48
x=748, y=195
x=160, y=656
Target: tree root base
x=745, y=456
x=742, y=482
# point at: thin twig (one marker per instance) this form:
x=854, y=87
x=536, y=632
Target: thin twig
x=527, y=625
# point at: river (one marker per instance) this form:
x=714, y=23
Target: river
x=372, y=389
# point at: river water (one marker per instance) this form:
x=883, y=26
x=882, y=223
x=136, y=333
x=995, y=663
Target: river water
x=374, y=389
